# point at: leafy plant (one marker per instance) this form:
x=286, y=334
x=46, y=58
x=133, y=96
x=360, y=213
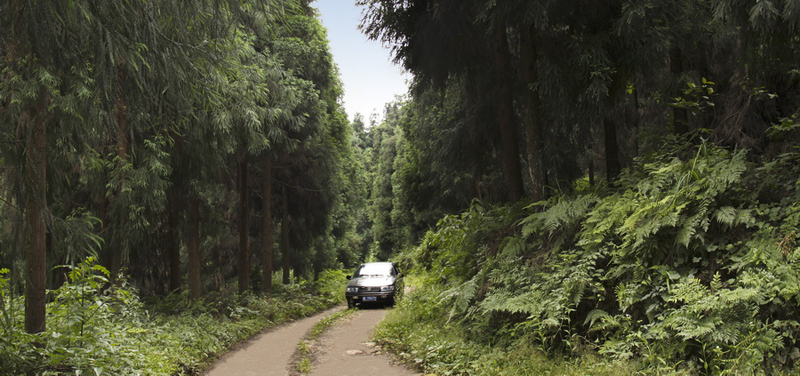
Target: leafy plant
x=688, y=266
x=98, y=327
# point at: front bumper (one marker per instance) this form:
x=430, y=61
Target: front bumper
x=370, y=297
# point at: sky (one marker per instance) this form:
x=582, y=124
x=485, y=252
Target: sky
x=369, y=76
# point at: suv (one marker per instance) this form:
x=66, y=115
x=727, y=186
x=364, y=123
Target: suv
x=374, y=282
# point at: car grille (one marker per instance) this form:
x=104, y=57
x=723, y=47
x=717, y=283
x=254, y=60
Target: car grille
x=370, y=289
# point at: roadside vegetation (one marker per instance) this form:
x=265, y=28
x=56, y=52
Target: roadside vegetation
x=97, y=328
x=593, y=187
x=689, y=266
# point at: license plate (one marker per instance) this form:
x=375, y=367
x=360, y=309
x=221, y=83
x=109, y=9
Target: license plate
x=370, y=298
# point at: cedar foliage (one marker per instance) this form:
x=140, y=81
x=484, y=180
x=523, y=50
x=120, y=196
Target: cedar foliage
x=123, y=127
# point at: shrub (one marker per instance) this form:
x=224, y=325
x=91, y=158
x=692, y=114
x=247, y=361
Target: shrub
x=690, y=264
x=98, y=327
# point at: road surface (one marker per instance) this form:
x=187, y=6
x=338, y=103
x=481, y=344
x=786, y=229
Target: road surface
x=345, y=349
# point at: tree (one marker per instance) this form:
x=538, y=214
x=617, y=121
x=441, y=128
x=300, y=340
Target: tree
x=440, y=40
x=310, y=137
x=79, y=74
x=266, y=254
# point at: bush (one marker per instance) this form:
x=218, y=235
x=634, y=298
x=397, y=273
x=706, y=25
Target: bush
x=95, y=327
x=419, y=333
x=689, y=265
x=331, y=284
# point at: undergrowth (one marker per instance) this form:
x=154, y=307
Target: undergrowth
x=418, y=332
x=689, y=266
x=96, y=327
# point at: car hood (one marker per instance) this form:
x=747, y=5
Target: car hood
x=370, y=281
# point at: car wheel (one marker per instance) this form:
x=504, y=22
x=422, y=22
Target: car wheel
x=390, y=303
x=350, y=304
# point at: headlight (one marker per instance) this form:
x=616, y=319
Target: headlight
x=351, y=289
x=387, y=288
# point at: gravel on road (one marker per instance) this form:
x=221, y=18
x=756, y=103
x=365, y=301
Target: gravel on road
x=346, y=349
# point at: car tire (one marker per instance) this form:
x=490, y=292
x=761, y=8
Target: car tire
x=350, y=304
x=390, y=302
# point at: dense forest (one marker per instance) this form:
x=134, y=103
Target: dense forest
x=599, y=186
x=164, y=149
x=593, y=187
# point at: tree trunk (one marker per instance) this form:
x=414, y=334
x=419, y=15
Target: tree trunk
x=35, y=176
x=612, y=148
x=635, y=120
x=505, y=116
x=176, y=198
x=285, y=237
x=266, y=257
x=680, y=116
x=534, y=133
x=173, y=240
x=123, y=152
x=244, y=227
x=193, y=249
x=31, y=136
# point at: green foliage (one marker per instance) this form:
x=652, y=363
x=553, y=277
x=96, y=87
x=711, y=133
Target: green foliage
x=418, y=332
x=689, y=266
x=330, y=284
x=101, y=328
x=696, y=98
x=461, y=243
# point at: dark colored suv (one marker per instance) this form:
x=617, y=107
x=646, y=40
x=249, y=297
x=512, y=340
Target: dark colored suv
x=375, y=282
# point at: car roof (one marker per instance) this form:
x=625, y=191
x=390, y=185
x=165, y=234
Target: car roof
x=383, y=266
x=377, y=263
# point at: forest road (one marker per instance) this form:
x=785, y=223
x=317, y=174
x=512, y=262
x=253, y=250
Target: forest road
x=269, y=353
x=346, y=349
x=343, y=350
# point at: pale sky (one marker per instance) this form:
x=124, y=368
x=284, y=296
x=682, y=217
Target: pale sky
x=370, y=78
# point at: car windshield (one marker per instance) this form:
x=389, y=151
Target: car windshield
x=374, y=270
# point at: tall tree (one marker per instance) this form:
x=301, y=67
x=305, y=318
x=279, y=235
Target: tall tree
x=244, y=226
x=443, y=39
x=309, y=141
x=266, y=253
x=285, y=246
x=82, y=74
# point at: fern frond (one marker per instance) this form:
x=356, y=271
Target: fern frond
x=513, y=302
x=562, y=213
x=595, y=315
x=461, y=296
x=726, y=215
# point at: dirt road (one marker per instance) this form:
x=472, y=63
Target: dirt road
x=269, y=353
x=343, y=350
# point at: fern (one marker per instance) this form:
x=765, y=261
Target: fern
x=564, y=212
x=461, y=297
x=681, y=265
x=595, y=315
x=628, y=294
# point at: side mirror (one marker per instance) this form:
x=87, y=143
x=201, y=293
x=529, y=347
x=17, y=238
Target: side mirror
x=399, y=275
x=349, y=276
